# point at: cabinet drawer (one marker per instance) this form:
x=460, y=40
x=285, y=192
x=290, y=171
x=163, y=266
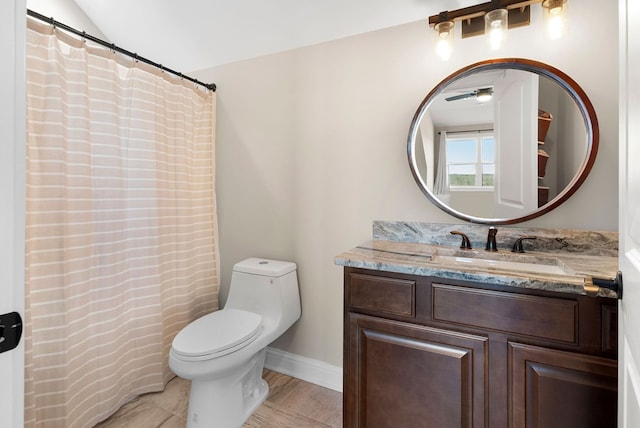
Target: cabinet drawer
x=382, y=294
x=542, y=317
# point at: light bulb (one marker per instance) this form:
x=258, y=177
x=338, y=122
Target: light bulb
x=443, y=49
x=555, y=27
x=496, y=35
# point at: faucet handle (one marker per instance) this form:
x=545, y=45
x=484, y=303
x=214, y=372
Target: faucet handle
x=517, y=246
x=492, y=245
x=466, y=244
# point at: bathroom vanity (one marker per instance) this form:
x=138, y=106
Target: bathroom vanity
x=434, y=339
x=469, y=325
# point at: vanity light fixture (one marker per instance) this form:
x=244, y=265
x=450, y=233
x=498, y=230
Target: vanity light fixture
x=444, y=36
x=493, y=18
x=495, y=26
x=554, y=16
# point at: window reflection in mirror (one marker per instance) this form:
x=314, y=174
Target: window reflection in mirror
x=470, y=160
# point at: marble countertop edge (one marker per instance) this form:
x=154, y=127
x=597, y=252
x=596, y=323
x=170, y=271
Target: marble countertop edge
x=420, y=259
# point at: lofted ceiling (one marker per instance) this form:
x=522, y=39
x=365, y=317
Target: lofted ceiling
x=191, y=35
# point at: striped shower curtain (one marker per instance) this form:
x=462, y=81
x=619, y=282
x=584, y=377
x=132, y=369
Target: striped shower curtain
x=121, y=239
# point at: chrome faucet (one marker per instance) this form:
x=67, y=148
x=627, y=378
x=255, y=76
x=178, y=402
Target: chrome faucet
x=491, y=239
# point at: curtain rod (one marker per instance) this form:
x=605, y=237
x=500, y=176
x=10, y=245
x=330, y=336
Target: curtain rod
x=465, y=132
x=83, y=34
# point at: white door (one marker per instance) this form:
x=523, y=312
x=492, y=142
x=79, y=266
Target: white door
x=629, y=309
x=515, y=131
x=12, y=130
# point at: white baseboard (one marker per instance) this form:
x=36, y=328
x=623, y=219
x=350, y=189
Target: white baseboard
x=307, y=369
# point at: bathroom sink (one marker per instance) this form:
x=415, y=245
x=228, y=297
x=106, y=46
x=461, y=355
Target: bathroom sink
x=509, y=265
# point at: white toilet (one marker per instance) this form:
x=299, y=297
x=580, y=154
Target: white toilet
x=222, y=353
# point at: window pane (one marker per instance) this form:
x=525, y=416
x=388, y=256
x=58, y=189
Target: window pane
x=462, y=175
x=488, y=172
x=488, y=150
x=461, y=151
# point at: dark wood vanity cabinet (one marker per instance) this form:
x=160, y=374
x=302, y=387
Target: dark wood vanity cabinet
x=406, y=373
x=425, y=352
x=561, y=389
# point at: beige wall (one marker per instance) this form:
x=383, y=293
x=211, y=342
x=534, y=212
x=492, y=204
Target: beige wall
x=311, y=149
x=67, y=12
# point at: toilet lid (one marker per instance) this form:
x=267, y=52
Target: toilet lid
x=218, y=332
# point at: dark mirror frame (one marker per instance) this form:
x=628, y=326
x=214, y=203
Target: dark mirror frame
x=564, y=81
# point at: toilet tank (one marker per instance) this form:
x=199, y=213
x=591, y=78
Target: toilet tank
x=267, y=287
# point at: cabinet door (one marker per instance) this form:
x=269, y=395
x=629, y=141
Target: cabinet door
x=552, y=388
x=404, y=375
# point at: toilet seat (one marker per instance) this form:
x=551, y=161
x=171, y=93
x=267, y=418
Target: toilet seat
x=216, y=334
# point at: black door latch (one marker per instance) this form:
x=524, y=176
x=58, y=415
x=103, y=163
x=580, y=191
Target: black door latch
x=611, y=284
x=10, y=331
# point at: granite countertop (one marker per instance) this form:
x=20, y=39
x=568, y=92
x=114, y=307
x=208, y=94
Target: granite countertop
x=438, y=260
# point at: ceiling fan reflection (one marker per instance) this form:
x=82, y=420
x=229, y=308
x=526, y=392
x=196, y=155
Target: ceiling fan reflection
x=481, y=95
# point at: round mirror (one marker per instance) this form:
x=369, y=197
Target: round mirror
x=503, y=141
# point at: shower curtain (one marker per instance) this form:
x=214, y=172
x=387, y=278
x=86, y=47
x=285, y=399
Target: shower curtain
x=441, y=186
x=121, y=249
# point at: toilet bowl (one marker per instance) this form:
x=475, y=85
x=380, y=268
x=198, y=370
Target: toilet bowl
x=223, y=353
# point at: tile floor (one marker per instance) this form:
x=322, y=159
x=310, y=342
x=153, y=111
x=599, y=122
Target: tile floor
x=291, y=403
